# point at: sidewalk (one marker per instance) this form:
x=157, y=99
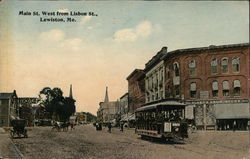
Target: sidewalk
x=7, y=148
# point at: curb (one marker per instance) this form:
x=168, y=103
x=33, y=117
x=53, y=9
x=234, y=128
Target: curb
x=19, y=154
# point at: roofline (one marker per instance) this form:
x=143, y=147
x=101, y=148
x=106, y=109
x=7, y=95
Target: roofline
x=211, y=47
x=132, y=73
x=155, y=59
x=124, y=95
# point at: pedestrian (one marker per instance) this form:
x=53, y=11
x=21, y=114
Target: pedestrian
x=100, y=126
x=72, y=126
x=121, y=126
x=97, y=126
x=109, y=127
x=234, y=126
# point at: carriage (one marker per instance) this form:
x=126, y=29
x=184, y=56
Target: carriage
x=60, y=126
x=163, y=120
x=18, y=128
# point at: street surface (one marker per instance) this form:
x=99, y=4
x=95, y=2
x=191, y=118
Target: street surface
x=86, y=143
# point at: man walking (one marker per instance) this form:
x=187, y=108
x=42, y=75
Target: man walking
x=109, y=127
x=121, y=126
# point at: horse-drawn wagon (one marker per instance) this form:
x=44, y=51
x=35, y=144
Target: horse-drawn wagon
x=18, y=128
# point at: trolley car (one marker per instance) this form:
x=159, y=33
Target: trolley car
x=165, y=120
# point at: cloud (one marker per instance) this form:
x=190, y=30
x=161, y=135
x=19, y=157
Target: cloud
x=63, y=10
x=143, y=29
x=85, y=19
x=125, y=35
x=52, y=35
x=74, y=43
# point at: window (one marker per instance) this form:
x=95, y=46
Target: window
x=192, y=68
x=225, y=86
x=176, y=69
x=215, y=89
x=161, y=76
x=168, y=91
x=236, y=90
x=193, y=90
x=156, y=97
x=167, y=73
x=224, y=65
x=214, y=64
x=177, y=90
x=236, y=64
x=148, y=98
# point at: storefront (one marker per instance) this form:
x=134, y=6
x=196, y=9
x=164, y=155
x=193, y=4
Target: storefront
x=232, y=116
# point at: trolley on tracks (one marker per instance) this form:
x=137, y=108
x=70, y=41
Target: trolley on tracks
x=165, y=120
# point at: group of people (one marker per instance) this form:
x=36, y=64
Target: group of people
x=109, y=125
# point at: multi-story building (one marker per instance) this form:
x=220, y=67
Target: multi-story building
x=155, y=77
x=108, y=110
x=213, y=81
x=8, y=108
x=136, y=90
x=123, y=105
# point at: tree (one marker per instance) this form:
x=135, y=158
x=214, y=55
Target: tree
x=57, y=105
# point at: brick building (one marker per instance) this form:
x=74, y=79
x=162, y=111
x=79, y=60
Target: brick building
x=136, y=90
x=213, y=81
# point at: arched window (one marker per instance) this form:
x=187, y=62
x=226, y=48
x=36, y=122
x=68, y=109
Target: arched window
x=193, y=91
x=224, y=65
x=214, y=65
x=215, y=89
x=236, y=90
x=225, y=87
x=236, y=64
x=192, y=68
x=176, y=69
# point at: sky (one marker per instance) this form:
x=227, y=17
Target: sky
x=98, y=51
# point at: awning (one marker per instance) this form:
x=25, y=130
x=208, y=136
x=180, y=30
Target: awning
x=232, y=111
x=193, y=87
x=236, y=83
x=124, y=117
x=225, y=85
x=166, y=103
x=215, y=86
x=131, y=117
x=128, y=117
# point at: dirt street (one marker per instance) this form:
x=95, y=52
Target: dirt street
x=86, y=143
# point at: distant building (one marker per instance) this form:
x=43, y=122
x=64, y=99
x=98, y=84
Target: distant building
x=26, y=108
x=108, y=110
x=136, y=90
x=27, y=101
x=81, y=117
x=123, y=105
x=8, y=108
